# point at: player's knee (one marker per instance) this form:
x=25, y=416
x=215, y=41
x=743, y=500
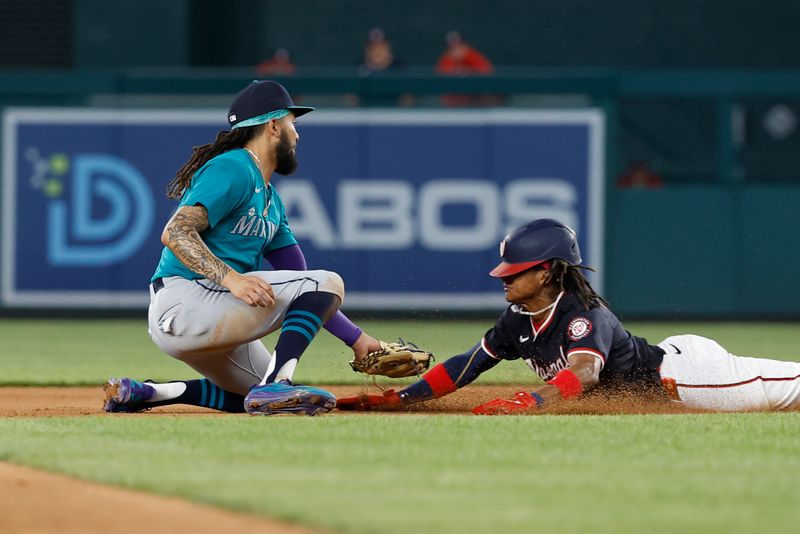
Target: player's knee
x=331, y=282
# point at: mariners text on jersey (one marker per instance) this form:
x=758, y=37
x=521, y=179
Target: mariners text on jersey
x=246, y=217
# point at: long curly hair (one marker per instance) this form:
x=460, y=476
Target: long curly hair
x=226, y=140
x=568, y=277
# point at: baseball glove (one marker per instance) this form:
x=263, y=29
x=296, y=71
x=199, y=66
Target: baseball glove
x=395, y=360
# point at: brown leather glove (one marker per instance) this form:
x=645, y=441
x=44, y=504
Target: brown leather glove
x=395, y=360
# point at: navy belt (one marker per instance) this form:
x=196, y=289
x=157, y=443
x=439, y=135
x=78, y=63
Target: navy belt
x=158, y=283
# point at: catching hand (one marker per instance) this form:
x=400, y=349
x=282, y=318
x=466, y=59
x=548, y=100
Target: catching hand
x=395, y=360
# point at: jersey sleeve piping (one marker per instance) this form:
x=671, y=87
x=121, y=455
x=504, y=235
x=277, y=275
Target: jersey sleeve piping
x=487, y=350
x=599, y=355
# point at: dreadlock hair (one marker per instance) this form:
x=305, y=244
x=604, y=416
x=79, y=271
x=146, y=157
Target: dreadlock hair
x=226, y=140
x=569, y=277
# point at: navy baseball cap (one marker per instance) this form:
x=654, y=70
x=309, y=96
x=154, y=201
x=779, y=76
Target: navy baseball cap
x=260, y=102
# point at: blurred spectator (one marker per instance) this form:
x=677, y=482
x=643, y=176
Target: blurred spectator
x=461, y=59
x=279, y=64
x=640, y=175
x=379, y=57
x=378, y=54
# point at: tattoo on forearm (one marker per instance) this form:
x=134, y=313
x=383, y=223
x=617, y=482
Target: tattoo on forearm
x=184, y=241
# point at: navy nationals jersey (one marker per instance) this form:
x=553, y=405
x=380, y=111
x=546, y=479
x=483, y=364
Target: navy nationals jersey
x=570, y=328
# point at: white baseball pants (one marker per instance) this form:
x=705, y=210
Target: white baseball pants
x=701, y=374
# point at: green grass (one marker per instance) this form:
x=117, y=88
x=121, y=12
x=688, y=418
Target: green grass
x=382, y=474
x=373, y=473
x=49, y=352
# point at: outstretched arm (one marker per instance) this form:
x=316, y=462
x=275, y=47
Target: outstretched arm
x=582, y=374
x=448, y=376
x=182, y=236
x=442, y=379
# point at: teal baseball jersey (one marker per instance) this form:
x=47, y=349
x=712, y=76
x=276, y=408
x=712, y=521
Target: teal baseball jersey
x=246, y=217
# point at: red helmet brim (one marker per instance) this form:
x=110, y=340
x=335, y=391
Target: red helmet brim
x=507, y=269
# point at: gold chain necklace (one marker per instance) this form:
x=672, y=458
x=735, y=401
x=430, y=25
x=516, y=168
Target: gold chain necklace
x=255, y=159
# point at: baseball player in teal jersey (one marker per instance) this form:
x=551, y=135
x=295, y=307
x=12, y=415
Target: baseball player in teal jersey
x=210, y=302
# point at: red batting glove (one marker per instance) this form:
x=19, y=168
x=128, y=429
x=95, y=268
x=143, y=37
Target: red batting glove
x=522, y=402
x=365, y=403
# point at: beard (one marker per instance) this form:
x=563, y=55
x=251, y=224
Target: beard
x=286, y=161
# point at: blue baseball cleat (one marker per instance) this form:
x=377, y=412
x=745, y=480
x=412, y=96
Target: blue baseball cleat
x=126, y=395
x=283, y=397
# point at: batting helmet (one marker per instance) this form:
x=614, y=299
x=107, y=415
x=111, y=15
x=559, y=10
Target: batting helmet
x=535, y=243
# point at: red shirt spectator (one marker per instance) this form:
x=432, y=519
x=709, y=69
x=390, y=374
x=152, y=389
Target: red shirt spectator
x=640, y=175
x=460, y=58
x=280, y=63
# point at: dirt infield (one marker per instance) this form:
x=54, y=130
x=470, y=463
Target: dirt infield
x=35, y=501
x=76, y=401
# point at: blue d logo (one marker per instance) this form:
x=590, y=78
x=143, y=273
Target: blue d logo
x=76, y=238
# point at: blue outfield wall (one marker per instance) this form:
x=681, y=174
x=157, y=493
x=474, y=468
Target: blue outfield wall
x=409, y=206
